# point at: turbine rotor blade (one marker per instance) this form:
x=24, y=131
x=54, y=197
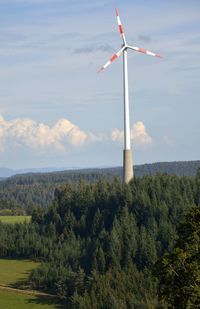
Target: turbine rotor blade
x=144, y=51
x=113, y=58
x=121, y=30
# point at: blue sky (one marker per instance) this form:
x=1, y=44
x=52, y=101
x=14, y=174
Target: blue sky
x=55, y=110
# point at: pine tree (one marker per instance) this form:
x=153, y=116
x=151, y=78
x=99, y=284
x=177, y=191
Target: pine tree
x=179, y=271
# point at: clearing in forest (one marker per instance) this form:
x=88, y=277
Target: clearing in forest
x=15, y=219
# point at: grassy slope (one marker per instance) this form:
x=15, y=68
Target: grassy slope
x=12, y=271
x=15, y=219
x=10, y=300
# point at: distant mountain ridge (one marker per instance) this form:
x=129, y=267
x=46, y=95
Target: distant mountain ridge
x=180, y=168
x=7, y=172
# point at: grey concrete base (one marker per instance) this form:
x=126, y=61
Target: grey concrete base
x=127, y=166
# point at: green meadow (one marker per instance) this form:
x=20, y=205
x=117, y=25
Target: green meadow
x=12, y=300
x=15, y=219
x=14, y=274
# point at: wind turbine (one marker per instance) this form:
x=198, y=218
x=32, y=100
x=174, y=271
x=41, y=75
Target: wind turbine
x=127, y=153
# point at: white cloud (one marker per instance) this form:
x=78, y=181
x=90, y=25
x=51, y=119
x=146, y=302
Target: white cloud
x=27, y=132
x=61, y=137
x=139, y=135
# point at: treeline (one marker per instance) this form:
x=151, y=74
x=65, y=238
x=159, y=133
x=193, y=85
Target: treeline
x=24, y=192
x=178, y=168
x=29, y=191
x=99, y=241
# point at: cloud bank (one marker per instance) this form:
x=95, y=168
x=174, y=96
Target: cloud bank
x=27, y=132
x=60, y=137
x=139, y=135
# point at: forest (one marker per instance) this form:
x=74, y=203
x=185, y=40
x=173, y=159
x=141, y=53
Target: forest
x=21, y=193
x=105, y=245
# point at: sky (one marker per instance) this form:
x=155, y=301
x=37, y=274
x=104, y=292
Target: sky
x=56, y=110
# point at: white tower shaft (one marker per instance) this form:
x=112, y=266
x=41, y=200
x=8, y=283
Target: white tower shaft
x=127, y=155
x=127, y=137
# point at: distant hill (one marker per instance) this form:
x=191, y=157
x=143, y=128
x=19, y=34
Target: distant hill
x=7, y=172
x=179, y=168
x=27, y=190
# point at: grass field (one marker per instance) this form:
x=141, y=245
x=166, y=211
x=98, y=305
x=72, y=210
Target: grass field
x=15, y=219
x=10, y=300
x=15, y=271
x=14, y=274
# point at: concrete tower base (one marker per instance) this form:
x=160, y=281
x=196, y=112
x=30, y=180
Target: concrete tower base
x=127, y=166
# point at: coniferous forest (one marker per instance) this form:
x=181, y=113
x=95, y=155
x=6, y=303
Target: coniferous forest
x=107, y=245
x=19, y=194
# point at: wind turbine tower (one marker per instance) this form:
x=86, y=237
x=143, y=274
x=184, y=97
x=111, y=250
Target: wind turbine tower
x=127, y=153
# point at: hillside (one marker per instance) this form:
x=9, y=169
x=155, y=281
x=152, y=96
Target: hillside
x=7, y=172
x=26, y=191
x=179, y=168
x=99, y=242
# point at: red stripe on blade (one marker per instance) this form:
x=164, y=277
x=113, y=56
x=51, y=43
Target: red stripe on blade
x=113, y=58
x=121, y=29
x=117, y=13
x=142, y=50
